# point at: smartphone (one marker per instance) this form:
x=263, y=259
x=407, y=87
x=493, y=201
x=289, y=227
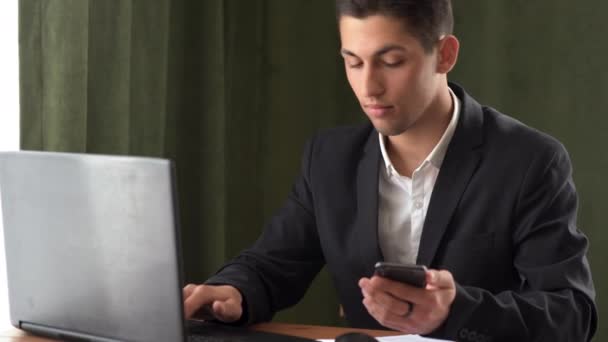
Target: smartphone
x=414, y=275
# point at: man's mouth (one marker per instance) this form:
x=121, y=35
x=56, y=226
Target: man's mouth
x=377, y=110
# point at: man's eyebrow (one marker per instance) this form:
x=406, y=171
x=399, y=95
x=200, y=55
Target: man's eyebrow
x=389, y=48
x=380, y=52
x=345, y=52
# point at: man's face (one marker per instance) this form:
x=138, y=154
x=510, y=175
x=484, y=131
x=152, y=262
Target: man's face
x=393, y=77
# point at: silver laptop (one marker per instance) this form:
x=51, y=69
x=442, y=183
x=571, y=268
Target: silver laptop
x=92, y=249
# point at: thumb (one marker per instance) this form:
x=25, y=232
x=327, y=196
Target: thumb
x=440, y=279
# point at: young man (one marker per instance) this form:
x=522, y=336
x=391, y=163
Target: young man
x=434, y=178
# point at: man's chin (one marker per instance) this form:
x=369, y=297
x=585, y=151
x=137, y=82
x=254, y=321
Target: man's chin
x=389, y=131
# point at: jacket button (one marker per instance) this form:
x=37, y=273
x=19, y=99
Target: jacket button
x=463, y=333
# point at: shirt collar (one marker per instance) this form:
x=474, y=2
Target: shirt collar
x=438, y=153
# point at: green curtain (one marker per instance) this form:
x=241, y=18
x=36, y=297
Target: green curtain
x=230, y=90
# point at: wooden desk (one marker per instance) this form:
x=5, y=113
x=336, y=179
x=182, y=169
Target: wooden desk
x=308, y=331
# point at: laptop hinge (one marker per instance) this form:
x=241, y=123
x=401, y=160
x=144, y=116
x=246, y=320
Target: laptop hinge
x=61, y=334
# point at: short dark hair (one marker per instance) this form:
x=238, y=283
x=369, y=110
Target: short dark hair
x=427, y=20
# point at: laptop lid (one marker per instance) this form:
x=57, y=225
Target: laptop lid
x=92, y=246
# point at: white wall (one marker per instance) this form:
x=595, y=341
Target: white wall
x=9, y=117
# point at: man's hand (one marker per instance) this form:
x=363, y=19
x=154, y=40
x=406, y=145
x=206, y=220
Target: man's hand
x=406, y=308
x=223, y=302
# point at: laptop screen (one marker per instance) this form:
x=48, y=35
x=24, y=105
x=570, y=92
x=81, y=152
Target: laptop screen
x=91, y=244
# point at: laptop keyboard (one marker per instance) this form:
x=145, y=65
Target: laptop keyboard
x=201, y=338
x=209, y=332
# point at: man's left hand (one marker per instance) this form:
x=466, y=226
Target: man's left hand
x=406, y=308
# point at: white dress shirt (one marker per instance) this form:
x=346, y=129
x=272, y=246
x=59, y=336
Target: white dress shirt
x=403, y=201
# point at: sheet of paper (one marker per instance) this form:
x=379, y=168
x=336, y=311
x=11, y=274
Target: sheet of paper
x=399, y=338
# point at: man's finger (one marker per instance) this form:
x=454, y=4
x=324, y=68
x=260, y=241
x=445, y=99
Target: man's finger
x=390, y=303
x=187, y=291
x=200, y=295
x=400, y=291
x=389, y=319
x=227, y=311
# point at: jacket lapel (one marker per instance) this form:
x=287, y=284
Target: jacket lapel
x=367, y=204
x=461, y=160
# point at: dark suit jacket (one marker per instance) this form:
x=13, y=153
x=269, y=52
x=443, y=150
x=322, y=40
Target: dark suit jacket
x=502, y=219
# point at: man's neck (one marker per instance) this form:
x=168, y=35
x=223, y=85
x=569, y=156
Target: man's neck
x=409, y=149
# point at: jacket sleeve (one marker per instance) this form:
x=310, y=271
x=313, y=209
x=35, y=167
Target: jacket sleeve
x=277, y=270
x=555, y=301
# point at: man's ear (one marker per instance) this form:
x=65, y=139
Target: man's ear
x=447, y=54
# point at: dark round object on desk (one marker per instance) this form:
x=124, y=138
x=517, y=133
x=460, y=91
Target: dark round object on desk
x=355, y=337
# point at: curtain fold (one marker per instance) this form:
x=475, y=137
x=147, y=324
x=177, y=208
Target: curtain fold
x=231, y=89
x=108, y=77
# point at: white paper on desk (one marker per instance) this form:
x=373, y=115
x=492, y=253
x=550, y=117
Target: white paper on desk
x=398, y=338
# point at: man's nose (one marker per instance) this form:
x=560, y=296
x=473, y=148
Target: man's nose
x=372, y=83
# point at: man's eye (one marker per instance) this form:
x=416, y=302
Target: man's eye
x=393, y=64
x=353, y=62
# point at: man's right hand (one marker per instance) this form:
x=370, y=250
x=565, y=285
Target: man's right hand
x=224, y=301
